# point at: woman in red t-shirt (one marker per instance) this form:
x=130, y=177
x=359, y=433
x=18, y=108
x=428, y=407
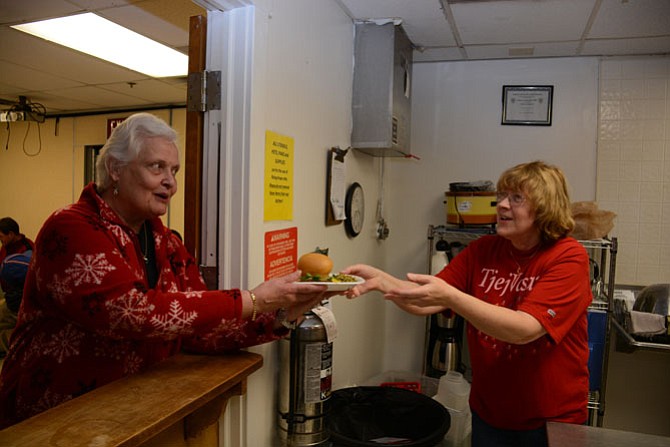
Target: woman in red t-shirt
x=525, y=293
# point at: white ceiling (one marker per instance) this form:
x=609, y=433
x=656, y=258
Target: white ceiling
x=66, y=81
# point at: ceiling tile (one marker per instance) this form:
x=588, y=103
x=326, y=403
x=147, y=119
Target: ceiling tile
x=538, y=50
x=165, y=23
x=58, y=103
x=437, y=54
x=488, y=29
x=652, y=18
x=100, y=97
x=423, y=20
x=48, y=57
x=10, y=92
x=30, y=79
x=102, y=4
x=15, y=11
x=497, y=22
x=651, y=45
x=153, y=91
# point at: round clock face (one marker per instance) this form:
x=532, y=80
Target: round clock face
x=354, y=209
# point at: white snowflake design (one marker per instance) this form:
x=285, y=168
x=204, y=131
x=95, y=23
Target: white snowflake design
x=193, y=294
x=59, y=288
x=118, y=259
x=175, y=322
x=226, y=331
x=64, y=344
x=89, y=269
x=120, y=234
x=172, y=244
x=34, y=349
x=129, y=311
x=132, y=363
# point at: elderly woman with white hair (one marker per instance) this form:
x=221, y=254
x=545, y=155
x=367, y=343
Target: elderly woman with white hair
x=112, y=291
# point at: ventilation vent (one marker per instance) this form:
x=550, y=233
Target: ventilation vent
x=524, y=51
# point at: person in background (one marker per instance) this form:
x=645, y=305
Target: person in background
x=111, y=290
x=11, y=284
x=11, y=238
x=13, y=271
x=524, y=293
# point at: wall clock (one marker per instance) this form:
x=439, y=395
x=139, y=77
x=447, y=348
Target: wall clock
x=354, y=209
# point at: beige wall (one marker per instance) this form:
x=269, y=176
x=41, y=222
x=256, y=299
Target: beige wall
x=302, y=81
x=634, y=181
x=634, y=164
x=42, y=166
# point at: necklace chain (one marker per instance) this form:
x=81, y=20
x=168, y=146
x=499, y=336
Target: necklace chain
x=146, y=243
x=527, y=259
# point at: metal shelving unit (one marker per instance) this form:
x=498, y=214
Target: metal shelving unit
x=603, y=253
x=632, y=344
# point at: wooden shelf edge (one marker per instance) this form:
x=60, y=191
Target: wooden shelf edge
x=132, y=410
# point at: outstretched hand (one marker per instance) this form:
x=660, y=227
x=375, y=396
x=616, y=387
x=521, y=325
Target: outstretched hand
x=429, y=296
x=375, y=279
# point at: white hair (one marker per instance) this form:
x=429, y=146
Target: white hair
x=126, y=142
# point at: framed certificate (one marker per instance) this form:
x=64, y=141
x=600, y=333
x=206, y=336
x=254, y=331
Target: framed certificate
x=527, y=105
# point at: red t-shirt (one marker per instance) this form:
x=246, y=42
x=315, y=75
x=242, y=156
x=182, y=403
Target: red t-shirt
x=520, y=387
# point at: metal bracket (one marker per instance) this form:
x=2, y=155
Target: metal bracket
x=382, y=229
x=211, y=277
x=203, y=91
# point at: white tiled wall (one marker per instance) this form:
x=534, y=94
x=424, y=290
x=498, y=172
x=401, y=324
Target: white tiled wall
x=634, y=164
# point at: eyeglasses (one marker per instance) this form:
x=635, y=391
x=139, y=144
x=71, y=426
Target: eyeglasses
x=515, y=198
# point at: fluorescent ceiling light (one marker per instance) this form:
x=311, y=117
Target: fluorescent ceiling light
x=91, y=34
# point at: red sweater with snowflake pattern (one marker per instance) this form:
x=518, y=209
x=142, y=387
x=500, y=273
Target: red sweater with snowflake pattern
x=88, y=316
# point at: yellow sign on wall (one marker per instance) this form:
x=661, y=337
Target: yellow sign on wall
x=278, y=200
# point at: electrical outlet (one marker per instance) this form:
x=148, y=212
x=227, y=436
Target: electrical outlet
x=9, y=116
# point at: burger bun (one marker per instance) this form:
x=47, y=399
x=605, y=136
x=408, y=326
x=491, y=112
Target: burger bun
x=315, y=264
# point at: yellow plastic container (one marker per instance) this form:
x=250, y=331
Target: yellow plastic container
x=471, y=207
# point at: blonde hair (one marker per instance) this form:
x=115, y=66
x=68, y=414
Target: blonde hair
x=546, y=188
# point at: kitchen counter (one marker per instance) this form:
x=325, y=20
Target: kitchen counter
x=176, y=402
x=571, y=435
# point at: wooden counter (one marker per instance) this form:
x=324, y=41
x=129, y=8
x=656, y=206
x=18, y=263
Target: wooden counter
x=177, y=402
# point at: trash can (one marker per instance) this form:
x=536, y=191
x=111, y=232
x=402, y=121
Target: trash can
x=377, y=416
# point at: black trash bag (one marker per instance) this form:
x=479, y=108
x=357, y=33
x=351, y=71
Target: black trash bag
x=358, y=416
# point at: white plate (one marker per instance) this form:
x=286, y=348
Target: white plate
x=336, y=286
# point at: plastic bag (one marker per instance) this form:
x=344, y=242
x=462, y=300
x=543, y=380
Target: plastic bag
x=378, y=416
x=590, y=221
